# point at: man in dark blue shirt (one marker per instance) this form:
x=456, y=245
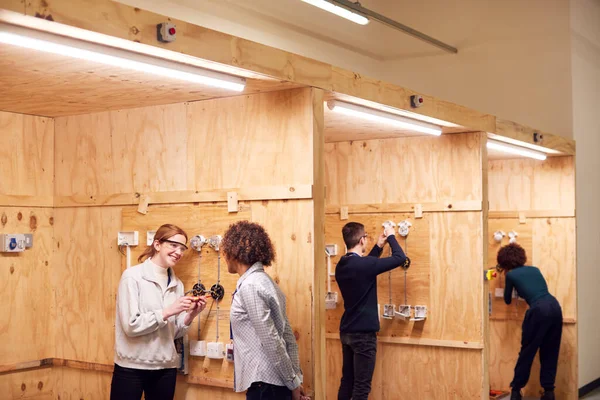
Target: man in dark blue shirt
x=357, y=279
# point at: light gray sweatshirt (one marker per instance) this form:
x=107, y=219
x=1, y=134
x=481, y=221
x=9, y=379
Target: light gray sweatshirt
x=143, y=340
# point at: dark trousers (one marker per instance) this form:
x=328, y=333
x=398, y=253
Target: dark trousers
x=129, y=383
x=359, y=351
x=542, y=329
x=266, y=391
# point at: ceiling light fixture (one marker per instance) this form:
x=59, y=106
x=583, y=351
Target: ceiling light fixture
x=515, y=150
x=340, y=11
x=383, y=117
x=64, y=46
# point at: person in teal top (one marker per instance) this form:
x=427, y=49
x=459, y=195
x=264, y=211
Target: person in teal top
x=542, y=326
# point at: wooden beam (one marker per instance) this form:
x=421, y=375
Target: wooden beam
x=525, y=133
x=468, y=205
x=485, y=293
x=26, y=201
x=35, y=364
x=320, y=269
x=566, y=321
x=291, y=192
x=208, y=381
x=14, y=5
x=88, y=366
x=421, y=342
x=532, y=214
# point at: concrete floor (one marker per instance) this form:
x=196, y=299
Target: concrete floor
x=595, y=395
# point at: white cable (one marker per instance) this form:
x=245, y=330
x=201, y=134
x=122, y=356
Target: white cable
x=128, y=256
x=328, y=272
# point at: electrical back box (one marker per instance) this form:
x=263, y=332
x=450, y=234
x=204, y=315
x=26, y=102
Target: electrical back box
x=14, y=242
x=128, y=238
x=198, y=348
x=215, y=350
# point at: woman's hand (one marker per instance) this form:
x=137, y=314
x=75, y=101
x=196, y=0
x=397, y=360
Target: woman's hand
x=198, y=304
x=180, y=305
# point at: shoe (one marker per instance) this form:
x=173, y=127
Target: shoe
x=548, y=396
x=516, y=395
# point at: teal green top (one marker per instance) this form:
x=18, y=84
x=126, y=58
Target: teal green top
x=528, y=281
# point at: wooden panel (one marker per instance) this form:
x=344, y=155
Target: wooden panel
x=36, y=384
x=404, y=170
x=87, y=269
x=519, y=184
x=26, y=314
x=185, y=391
x=240, y=139
x=206, y=220
x=26, y=156
x=445, y=259
x=456, y=277
x=215, y=144
x=76, y=384
x=415, y=372
x=291, y=227
x=505, y=344
x=54, y=85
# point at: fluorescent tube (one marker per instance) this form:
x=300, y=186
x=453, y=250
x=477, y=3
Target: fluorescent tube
x=340, y=11
x=516, y=150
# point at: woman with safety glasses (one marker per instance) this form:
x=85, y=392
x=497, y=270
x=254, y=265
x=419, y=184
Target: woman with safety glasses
x=152, y=311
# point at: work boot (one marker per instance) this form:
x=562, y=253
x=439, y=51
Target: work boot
x=548, y=395
x=516, y=395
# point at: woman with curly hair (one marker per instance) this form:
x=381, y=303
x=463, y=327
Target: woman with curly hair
x=542, y=326
x=265, y=353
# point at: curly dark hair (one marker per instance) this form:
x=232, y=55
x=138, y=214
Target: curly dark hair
x=511, y=256
x=247, y=243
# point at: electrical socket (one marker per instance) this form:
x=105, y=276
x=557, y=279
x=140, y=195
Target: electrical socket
x=198, y=348
x=331, y=300
x=150, y=237
x=331, y=249
x=128, y=238
x=215, y=350
x=12, y=242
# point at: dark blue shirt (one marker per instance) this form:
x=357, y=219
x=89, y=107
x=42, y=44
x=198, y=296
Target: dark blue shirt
x=357, y=279
x=528, y=281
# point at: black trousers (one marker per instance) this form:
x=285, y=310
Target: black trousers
x=359, y=352
x=266, y=391
x=542, y=329
x=129, y=383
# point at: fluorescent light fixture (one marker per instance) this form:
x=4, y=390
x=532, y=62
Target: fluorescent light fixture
x=516, y=150
x=522, y=144
x=340, y=11
x=64, y=46
x=370, y=114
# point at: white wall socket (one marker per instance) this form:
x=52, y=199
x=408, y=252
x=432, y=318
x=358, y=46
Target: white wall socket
x=150, y=237
x=499, y=292
x=198, y=348
x=215, y=350
x=128, y=238
x=331, y=300
x=331, y=249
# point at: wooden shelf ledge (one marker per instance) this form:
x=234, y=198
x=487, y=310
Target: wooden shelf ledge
x=421, y=342
x=531, y=214
x=468, y=205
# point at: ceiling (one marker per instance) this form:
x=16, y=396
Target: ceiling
x=439, y=19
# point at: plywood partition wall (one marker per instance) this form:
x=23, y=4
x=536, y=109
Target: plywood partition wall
x=246, y=143
x=27, y=311
x=441, y=357
x=535, y=199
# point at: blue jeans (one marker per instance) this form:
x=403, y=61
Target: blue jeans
x=266, y=391
x=359, y=351
x=156, y=384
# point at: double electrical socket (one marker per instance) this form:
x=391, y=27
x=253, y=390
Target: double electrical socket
x=200, y=348
x=15, y=242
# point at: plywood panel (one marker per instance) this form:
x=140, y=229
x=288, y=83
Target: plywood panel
x=505, y=344
x=446, y=253
x=185, y=391
x=550, y=246
x=27, y=311
x=76, y=384
x=404, y=170
x=415, y=372
x=251, y=140
x=206, y=220
x=36, y=384
x=290, y=226
x=54, y=85
x=26, y=155
x=523, y=184
x=215, y=144
x=418, y=277
x=352, y=172
x=86, y=273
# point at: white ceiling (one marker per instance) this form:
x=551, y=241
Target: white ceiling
x=294, y=20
